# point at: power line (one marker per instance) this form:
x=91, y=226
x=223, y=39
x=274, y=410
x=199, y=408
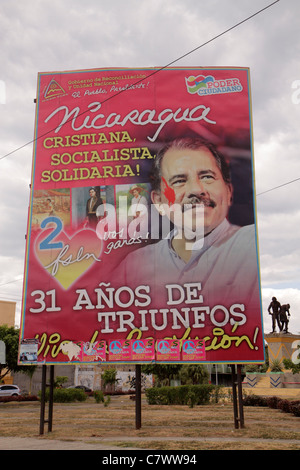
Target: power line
x=10, y=282
x=276, y=187
x=158, y=70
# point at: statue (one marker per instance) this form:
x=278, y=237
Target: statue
x=284, y=310
x=275, y=307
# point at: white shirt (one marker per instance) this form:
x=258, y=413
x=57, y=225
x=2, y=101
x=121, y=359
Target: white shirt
x=138, y=204
x=225, y=264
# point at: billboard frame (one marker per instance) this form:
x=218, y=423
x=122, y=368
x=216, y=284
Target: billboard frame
x=52, y=144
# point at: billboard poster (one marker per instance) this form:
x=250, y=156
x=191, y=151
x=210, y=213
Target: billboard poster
x=142, y=218
x=93, y=352
x=193, y=350
x=143, y=350
x=120, y=350
x=168, y=350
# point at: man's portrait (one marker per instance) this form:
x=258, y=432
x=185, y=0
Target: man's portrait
x=191, y=186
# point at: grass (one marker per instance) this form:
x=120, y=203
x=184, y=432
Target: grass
x=207, y=427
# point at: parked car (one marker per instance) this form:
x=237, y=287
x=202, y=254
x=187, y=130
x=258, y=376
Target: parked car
x=9, y=391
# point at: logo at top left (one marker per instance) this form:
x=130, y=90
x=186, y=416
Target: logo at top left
x=53, y=90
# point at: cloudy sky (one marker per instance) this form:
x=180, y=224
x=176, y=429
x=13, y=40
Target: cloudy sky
x=56, y=35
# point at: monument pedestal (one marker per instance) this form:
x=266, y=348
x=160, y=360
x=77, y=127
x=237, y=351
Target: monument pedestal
x=281, y=345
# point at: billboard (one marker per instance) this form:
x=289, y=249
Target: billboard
x=142, y=237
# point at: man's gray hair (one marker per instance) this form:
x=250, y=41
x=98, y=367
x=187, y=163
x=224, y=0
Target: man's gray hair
x=187, y=143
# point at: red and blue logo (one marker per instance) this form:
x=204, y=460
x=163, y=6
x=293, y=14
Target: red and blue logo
x=208, y=85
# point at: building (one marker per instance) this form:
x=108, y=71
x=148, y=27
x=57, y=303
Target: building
x=7, y=313
x=7, y=317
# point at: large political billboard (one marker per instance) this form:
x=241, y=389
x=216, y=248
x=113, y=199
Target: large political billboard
x=142, y=236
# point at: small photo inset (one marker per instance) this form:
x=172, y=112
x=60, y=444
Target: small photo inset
x=88, y=205
x=133, y=206
x=137, y=198
x=51, y=202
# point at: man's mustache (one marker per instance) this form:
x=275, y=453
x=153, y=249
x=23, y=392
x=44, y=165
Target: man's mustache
x=205, y=201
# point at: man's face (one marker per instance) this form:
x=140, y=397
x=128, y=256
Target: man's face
x=193, y=177
x=92, y=193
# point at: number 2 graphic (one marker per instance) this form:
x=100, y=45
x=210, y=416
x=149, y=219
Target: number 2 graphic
x=46, y=244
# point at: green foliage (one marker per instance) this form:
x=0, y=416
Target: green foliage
x=187, y=373
x=274, y=402
x=260, y=368
x=284, y=405
x=219, y=393
x=60, y=380
x=163, y=372
x=295, y=409
x=255, y=400
x=19, y=398
x=65, y=395
x=191, y=398
x=107, y=401
x=290, y=365
x=276, y=366
x=109, y=377
x=193, y=374
x=190, y=395
x=99, y=396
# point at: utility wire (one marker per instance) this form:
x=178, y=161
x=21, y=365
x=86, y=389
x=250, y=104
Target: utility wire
x=158, y=70
x=9, y=282
x=276, y=187
x=259, y=194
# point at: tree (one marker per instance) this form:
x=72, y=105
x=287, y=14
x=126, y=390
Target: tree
x=193, y=374
x=10, y=336
x=187, y=373
x=60, y=380
x=163, y=372
x=109, y=377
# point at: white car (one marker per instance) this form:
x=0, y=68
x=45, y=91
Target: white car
x=9, y=391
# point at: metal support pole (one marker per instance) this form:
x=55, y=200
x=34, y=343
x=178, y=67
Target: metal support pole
x=234, y=397
x=43, y=399
x=43, y=421
x=240, y=395
x=237, y=395
x=50, y=410
x=138, y=397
